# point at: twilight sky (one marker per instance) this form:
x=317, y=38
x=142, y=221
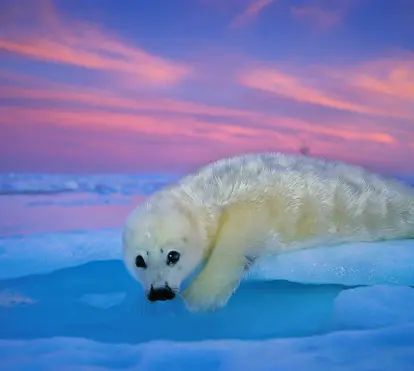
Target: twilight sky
x=166, y=85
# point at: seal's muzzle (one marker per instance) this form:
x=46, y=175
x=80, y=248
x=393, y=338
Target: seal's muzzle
x=161, y=294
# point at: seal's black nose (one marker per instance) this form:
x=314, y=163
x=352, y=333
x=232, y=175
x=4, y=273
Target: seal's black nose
x=162, y=293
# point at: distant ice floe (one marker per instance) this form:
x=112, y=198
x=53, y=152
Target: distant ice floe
x=36, y=184
x=127, y=184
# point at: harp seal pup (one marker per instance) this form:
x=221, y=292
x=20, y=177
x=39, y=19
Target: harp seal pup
x=232, y=211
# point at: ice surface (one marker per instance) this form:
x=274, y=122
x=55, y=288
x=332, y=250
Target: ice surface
x=100, y=301
x=103, y=300
x=372, y=307
x=68, y=303
x=384, y=349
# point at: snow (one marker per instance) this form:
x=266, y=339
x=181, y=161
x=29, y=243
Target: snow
x=68, y=303
x=353, y=308
x=379, y=350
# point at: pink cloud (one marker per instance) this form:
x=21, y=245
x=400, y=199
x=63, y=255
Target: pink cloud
x=275, y=81
x=170, y=133
x=251, y=12
x=391, y=77
x=94, y=139
x=132, y=140
x=87, y=45
x=322, y=18
x=324, y=14
x=251, y=123
x=380, y=88
x=165, y=125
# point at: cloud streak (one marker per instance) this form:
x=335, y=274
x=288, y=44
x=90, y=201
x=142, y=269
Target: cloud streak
x=129, y=114
x=323, y=14
x=380, y=88
x=86, y=45
x=251, y=12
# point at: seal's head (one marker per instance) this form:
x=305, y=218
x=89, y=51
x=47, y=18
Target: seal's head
x=162, y=244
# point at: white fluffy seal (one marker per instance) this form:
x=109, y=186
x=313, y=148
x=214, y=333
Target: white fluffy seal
x=234, y=210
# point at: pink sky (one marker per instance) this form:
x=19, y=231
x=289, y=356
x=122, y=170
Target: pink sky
x=148, y=89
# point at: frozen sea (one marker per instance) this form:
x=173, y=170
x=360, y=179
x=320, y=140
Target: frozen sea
x=68, y=303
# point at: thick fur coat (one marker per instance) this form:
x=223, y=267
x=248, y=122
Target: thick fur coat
x=234, y=210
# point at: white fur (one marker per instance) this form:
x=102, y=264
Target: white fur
x=234, y=210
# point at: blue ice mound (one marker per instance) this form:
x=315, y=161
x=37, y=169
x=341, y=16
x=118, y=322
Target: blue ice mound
x=373, y=307
x=100, y=301
x=368, y=263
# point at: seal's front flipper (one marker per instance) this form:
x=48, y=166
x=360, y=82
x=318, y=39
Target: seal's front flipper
x=215, y=284
x=227, y=264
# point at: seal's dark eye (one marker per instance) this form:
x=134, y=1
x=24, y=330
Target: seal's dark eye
x=173, y=257
x=140, y=262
